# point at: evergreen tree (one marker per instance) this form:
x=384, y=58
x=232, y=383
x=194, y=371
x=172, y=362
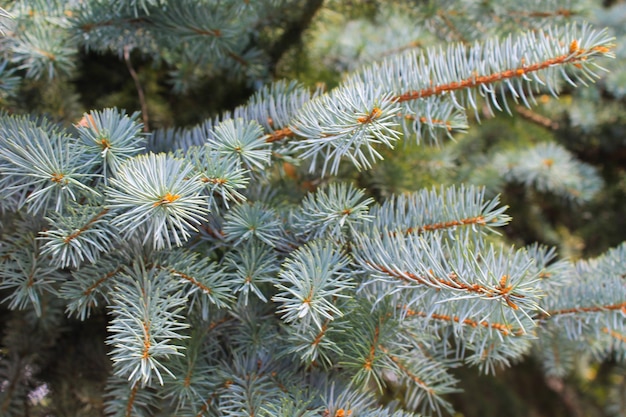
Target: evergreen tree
x=278, y=258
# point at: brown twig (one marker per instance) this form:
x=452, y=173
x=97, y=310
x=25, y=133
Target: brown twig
x=140, y=94
x=293, y=31
x=537, y=118
x=567, y=394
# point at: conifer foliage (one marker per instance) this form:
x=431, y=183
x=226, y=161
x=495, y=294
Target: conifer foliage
x=225, y=292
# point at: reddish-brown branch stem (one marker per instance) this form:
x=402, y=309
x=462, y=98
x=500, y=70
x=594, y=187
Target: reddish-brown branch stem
x=451, y=26
x=216, y=323
x=96, y=284
x=574, y=57
x=279, y=135
x=146, y=340
x=536, y=118
x=218, y=181
x=405, y=370
x=208, y=32
x=558, y=12
x=436, y=122
x=410, y=45
x=577, y=310
x=209, y=401
x=505, y=329
x=216, y=233
x=320, y=335
x=90, y=223
x=131, y=399
x=372, y=353
x=477, y=80
x=140, y=93
x=192, y=280
x=501, y=290
x=241, y=60
x=478, y=220
x=615, y=334
x=89, y=27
